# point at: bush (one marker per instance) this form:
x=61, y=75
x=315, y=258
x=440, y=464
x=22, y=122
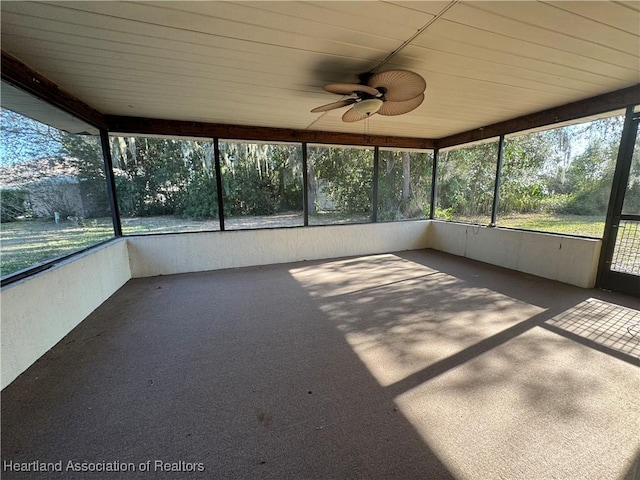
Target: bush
x=444, y=213
x=249, y=194
x=13, y=204
x=588, y=201
x=291, y=199
x=557, y=203
x=200, y=200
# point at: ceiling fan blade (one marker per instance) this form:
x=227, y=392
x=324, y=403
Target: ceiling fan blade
x=350, y=88
x=353, y=115
x=400, y=85
x=398, y=108
x=334, y=105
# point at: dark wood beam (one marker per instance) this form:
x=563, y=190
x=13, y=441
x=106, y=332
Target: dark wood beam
x=20, y=75
x=150, y=126
x=571, y=111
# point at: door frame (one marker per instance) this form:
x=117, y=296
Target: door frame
x=610, y=279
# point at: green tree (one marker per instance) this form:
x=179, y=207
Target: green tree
x=342, y=178
x=404, y=187
x=521, y=187
x=152, y=174
x=85, y=153
x=261, y=179
x=466, y=181
x=200, y=200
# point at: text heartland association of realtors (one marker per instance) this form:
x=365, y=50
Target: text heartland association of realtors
x=104, y=466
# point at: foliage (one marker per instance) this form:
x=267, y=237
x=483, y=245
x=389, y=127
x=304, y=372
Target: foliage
x=61, y=172
x=444, y=213
x=632, y=196
x=86, y=154
x=565, y=170
x=200, y=202
x=404, y=187
x=340, y=179
x=13, y=204
x=23, y=139
x=542, y=171
x=521, y=190
x=157, y=176
x=555, y=180
x=150, y=174
x=261, y=179
x=466, y=180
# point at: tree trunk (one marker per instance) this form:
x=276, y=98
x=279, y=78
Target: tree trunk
x=312, y=186
x=390, y=160
x=406, y=176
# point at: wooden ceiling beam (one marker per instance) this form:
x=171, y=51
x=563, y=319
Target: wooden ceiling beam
x=150, y=126
x=16, y=73
x=597, y=105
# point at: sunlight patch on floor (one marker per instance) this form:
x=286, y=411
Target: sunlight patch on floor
x=604, y=323
x=400, y=316
x=558, y=391
x=351, y=275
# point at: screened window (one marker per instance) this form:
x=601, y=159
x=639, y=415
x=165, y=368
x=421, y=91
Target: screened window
x=165, y=185
x=340, y=184
x=404, y=184
x=559, y=180
x=262, y=184
x=466, y=181
x=631, y=203
x=53, y=189
x=626, y=255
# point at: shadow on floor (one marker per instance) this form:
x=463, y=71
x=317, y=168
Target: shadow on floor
x=416, y=365
x=236, y=370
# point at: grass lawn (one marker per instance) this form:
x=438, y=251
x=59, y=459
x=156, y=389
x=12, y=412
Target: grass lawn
x=567, y=224
x=29, y=242
x=26, y=243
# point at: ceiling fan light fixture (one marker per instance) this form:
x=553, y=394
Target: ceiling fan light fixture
x=389, y=93
x=368, y=106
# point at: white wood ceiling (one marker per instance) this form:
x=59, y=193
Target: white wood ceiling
x=264, y=63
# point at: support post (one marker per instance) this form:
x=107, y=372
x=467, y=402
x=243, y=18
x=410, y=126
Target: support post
x=111, y=183
x=434, y=184
x=305, y=185
x=496, y=186
x=216, y=156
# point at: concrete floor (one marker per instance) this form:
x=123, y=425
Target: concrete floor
x=416, y=365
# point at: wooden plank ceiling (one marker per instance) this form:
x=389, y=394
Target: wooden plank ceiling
x=264, y=63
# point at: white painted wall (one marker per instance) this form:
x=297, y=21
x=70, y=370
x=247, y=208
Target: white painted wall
x=39, y=311
x=566, y=259
x=557, y=257
x=194, y=252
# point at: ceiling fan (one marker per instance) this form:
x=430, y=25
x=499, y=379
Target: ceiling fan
x=393, y=92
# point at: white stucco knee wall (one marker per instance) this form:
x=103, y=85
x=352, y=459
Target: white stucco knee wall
x=566, y=259
x=39, y=311
x=194, y=252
